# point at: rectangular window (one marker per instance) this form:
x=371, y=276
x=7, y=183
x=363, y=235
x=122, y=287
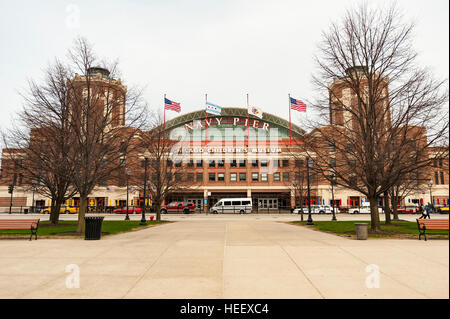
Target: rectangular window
x=276, y=177
x=285, y=176
x=436, y=178
x=242, y=177
x=332, y=162
x=199, y=163
x=190, y=163
x=440, y=162
x=212, y=163
x=220, y=177
x=169, y=163
x=233, y=163
x=264, y=163
x=178, y=177
x=199, y=177
x=242, y=163
x=276, y=163
x=220, y=163
x=233, y=177
x=227, y=203
x=263, y=177
x=190, y=177
x=442, y=177
x=212, y=177
x=254, y=163
x=236, y=202
x=255, y=177
x=285, y=163
x=331, y=146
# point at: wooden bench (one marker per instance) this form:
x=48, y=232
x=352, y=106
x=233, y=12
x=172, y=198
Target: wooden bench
x=431, y=224
x=31, y=224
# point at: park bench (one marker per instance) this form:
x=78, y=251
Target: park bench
x=16, y=224
x=431, y=224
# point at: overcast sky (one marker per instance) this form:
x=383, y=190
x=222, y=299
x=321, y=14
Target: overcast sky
x=188, y=48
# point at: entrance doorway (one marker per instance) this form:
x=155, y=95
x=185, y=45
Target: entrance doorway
x=267, y=203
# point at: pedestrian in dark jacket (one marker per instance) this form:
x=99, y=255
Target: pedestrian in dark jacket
x=428, y=210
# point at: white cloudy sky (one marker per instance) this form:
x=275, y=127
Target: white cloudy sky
x=188, y=48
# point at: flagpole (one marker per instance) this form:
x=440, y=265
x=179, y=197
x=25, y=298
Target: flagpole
x=206, y=119
x=290, y=125
x=248, y=123
x=164, y=126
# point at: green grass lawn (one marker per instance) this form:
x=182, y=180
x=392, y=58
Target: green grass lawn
x=69, y=228
x=398, y=229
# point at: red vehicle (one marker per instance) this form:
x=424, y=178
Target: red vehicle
x=178, y=207
x=408, y=209
x=131, y=210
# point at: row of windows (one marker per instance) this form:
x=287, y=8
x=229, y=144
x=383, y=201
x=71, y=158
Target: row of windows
x=233, y=163
x=436, y=178
x=234, y=177
x=437, y=162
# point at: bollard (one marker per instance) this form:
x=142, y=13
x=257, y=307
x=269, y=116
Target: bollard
x=361, y=231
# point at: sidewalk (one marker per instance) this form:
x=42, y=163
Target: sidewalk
x=225, y=259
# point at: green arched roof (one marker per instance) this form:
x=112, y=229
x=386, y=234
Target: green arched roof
x=233, y=112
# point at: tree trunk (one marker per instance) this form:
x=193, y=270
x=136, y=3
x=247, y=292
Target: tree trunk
x=395, y=211
x=158, y=212
x=54, y=213
x=81, y=223
x=394, y=207
x=374, y=214
x=301, y=208
x=387, y=209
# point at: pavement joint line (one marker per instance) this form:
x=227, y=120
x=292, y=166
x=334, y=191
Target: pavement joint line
x=387, y=275
x=53, y=279
x=293, y=261
x=421, y=256
x=152, y=264
x=223, y=260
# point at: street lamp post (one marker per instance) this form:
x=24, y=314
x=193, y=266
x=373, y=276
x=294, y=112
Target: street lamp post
x=332, y=196
x=430, y=185
x=127, y=173
x=146, y=156
x=310, y=221
x=32, y=201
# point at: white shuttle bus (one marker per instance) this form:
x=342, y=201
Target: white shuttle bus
x=232, y=205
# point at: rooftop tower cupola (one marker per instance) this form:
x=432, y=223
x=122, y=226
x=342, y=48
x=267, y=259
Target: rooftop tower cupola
x=98, y=70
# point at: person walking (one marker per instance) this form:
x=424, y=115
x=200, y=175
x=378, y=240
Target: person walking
x=422, y=211
x=428, y=210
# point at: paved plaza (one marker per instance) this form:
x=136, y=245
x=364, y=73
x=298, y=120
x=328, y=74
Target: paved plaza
x=225, y=257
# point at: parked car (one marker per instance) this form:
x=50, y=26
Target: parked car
x=232, y=205
x=315, y=209
x=411, y=209
x=178, y=207
x=363, y=209
x=63, y=210
x=131, y=210
x=443, y=210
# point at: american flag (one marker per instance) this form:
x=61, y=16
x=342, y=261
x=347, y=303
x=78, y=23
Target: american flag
x=171, y=105
x=297, y=105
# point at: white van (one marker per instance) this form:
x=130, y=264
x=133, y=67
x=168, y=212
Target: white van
x=232, y=205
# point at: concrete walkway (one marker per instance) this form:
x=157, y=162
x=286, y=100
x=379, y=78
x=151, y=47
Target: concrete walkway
x=225, y=259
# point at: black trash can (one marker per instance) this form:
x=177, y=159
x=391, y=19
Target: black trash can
x=93, y=230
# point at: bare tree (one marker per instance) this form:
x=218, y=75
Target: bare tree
x=161, y=153
x=378, y=109
x=41, y=137
x=105, y=119
x=299, y=181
